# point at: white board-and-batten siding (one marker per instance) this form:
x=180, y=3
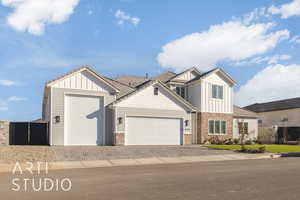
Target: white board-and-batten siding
x=83, y=81
x=200, y=95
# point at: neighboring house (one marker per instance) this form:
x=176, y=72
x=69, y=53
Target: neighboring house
x=279, y=121
x=85, y=108
x=246, y=119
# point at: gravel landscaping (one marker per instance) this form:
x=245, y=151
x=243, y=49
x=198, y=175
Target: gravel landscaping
x=11, y=154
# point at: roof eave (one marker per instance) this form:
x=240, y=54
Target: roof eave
x=81, y=69
x=233, y=82
x=188, y=70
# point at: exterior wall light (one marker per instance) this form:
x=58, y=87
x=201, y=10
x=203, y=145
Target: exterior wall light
x=186, y=122
x=57, y=119
x=120, y=120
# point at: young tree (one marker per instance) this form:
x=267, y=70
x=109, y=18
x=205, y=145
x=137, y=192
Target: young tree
x=242, y=132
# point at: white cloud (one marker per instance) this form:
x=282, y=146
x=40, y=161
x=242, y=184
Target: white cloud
x=123, y=17
x=14, y=99
x=268, y=59
x=272, y=83
x=3, y=108
x=295, y=39
x=33, y=15
x=230, y=41
x=255, y=15
x=7, y=83
x=4, y=104
x=286, y=10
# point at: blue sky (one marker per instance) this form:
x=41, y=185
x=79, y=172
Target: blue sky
x=255, y=41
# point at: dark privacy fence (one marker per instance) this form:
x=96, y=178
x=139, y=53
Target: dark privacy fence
x=28, y=133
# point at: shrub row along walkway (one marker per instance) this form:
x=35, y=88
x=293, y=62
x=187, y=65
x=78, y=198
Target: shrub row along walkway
x=11, y=154
x=269, y=148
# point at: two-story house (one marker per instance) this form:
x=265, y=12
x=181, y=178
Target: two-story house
x=85, y=108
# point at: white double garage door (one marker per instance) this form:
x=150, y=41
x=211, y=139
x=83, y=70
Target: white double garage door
x=153, y=131
x=85, y=121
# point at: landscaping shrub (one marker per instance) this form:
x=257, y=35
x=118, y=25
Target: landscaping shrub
x=236, y=141
x=215, y=140
x=228, y=142
x=249, y=142
x=255, y=141
x=258, y=150
x=206, y=141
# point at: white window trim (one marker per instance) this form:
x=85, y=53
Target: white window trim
x=211, y=90
x=185, y=90
x=216, y=134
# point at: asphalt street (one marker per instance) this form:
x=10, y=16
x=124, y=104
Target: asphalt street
x=248, y=179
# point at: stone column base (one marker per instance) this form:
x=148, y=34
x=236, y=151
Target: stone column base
x=4, y=133
x=119, y=139
x=187, y=139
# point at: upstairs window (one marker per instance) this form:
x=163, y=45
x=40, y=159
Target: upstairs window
x=180, y=91
x=156, y=91
x=217, y=91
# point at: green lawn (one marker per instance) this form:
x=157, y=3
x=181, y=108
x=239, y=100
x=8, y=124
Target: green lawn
x=269, y=148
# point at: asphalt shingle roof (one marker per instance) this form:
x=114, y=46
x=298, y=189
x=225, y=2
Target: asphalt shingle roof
x=131, y=81
x=164, y=77
x=275, y=105
x=123, y=88
x=241, y=112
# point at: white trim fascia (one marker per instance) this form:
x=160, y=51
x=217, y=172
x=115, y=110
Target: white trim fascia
x=65, y=120
x=218, y=134
x=51, y=117
x=104, y=123
x=51, y=83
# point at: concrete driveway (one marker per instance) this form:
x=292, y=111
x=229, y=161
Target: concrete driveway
x=240, y=180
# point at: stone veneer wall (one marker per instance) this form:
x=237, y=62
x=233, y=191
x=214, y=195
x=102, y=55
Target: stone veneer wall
x=187, y=138
x=119, y=139
x=202, y=126
x=4, y=133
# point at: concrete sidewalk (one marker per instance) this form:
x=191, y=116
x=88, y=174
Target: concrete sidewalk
x=138, y=161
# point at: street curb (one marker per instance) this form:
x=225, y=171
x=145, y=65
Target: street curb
x=139, y=161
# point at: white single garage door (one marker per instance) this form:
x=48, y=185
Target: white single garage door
x=153, y=131
x=84, y=120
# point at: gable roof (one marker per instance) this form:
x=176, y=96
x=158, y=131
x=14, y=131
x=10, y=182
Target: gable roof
x=81, y=69
x=188, y=70
x=156, y=82
x=275, y=105
x=118, y=87
x=215, y=70
x=123, y=88
x=243, y=113
x=130, y=80
x=164, y=77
